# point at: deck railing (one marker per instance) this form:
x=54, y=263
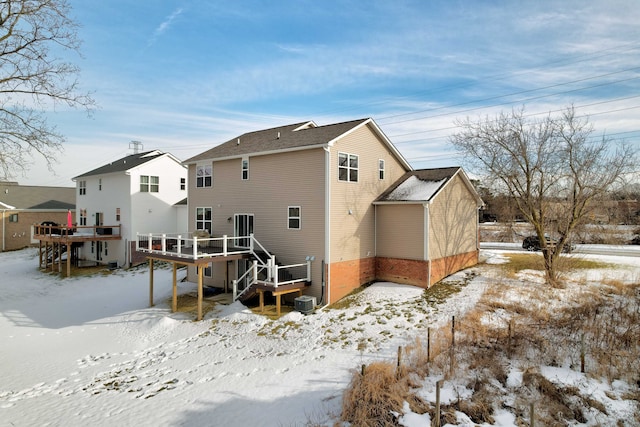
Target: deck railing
x=263, y=269
x=190, y=245
x=77, y=231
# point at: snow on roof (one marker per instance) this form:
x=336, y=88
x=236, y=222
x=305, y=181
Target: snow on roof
x=415, y=189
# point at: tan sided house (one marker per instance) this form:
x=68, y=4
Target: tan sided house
x=320, y=210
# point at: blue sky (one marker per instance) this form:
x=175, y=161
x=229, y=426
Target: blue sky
x=185, y=75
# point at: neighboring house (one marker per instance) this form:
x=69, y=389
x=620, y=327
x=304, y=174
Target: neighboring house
x=22, y=206
x=340, y=197
x=138, y=193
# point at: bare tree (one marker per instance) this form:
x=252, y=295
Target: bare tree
x=33, y=79
x=554, y=170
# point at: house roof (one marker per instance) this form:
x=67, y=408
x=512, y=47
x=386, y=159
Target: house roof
x=126, y=163
x=419, y=186
x=285, y=138
x=15, y=196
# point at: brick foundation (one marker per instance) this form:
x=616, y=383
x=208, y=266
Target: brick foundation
x=349, y=275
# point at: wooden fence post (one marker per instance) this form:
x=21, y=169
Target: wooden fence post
x=436, y=419
x=398, y=367
x=532, y=415
x=582, y=351
x=452, y=350
x=428, y=345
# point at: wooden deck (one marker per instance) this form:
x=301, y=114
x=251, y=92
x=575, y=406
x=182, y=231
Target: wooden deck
x=60, y=238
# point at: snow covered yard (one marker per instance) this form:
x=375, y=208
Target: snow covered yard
x=88, y=350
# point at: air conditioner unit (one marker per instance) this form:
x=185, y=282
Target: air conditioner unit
x=305, y=304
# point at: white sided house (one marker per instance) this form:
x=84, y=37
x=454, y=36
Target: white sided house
x=142, y=192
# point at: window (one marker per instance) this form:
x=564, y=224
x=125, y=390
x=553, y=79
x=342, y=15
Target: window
x=117, y=214
x=82, y=185
x=381, y=169
x=245, y=169
x=293, y=218
x=99, y=184
x=149, y=184
x=204, y=176
x=13, y=218
x=183, y=183
x=347, y=167
x=155, y=184
x=204, y=219
x=83, y=217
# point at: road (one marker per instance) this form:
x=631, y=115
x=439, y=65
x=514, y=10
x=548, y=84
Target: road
x=619, y=250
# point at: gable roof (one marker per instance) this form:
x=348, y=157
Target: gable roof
x=126, y=163
x=20, y=197
x=423, y=185
x=297, y=136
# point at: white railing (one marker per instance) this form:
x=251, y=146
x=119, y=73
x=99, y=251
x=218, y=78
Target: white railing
x=276, y=275
x=189, y=245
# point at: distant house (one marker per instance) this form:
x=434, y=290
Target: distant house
x=339, y=198
x=138, y=193
x=22, y=206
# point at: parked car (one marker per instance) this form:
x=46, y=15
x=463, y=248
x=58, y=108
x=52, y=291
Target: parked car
x=532, y=243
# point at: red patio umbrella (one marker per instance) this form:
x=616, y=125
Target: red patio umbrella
x=69, y=219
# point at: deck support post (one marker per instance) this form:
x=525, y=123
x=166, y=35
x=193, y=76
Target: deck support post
x=150, y=282
x=174, y=301
x=68, y=261
x=200, y=274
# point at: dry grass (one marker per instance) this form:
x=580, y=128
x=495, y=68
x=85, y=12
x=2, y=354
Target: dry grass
x=529, y=325
x=371, y=397
x=188, y=303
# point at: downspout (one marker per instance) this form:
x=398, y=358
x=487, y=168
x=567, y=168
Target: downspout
x=427, y=257
x=327, y=226
x=4, y=237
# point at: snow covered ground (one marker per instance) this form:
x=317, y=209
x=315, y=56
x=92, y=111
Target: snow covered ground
x=88, y=351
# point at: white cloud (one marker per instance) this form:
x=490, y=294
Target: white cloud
x=165, y=25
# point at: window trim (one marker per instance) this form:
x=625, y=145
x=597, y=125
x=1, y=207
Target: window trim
x=381, y=169
x=82, y=188
x=294, y=218
x=201, y=180
x=204, y=221
x=245, y=168
x=348, y=168
x=149, y=186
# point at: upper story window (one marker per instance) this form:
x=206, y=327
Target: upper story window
x=83, y=217
x=294, y=217
x=183, y=183
x=99, y=184
x=204, y=176
x=245, y=169
x=117, y=214
x=347, y=167
x=149, y=184
x=381, y=169
x=82, y=187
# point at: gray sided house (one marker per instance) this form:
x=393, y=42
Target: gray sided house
x=340, y=198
